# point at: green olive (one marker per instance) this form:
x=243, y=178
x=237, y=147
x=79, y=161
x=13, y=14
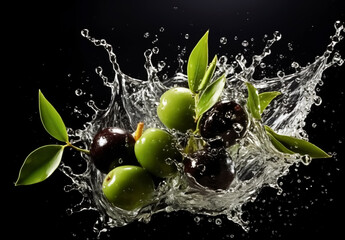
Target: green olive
x=156, y=151
x=128, y=187
x=176, y=109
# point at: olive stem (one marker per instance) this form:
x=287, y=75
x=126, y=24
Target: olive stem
x=139, y=131
x=79, y=149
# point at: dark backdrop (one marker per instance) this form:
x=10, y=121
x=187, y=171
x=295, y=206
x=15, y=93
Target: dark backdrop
x=44, y=49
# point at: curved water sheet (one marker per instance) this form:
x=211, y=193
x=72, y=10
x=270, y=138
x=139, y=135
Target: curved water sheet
x=258, y=164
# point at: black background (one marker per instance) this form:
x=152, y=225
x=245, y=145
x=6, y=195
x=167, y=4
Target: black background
x=45, y=50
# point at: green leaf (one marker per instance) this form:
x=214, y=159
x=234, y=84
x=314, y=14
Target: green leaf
x=210, y=96
x=265, y=98
x=208, y=75
x=297, y=145
x=40, y=164
x=197, y=63
x=278, y=145
x=51, y=119
x=253, y=101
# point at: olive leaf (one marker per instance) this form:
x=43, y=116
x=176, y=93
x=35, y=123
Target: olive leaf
x=253, y=101
x=278, y=145
x=265, y=98
x=197, y=63
x=296, y=145
x=51, y=119
x=208, y=75
x=210, y=96
x=40, y=164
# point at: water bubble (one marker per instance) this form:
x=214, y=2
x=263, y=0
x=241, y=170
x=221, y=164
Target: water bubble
x=223, y=40
x=245, y=43
x=161, y=29
x=186, y=36
x=290, y=46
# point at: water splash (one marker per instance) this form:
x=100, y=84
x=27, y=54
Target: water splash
x=257, y=162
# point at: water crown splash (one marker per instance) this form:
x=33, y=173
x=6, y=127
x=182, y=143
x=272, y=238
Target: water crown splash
x=258, y=164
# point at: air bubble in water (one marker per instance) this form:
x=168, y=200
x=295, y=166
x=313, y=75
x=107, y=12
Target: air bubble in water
x=186, y=36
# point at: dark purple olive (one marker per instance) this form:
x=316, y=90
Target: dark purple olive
x=223, y=124
x=210, y=168
x=112, y=147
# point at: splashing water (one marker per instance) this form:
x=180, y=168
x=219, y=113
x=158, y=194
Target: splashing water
x=258, y=164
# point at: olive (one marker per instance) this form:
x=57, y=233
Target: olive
x=128, y=187
x=156, y=152
x=112, y=147
x=210, y=168
x=176, y=109
x=224, y=123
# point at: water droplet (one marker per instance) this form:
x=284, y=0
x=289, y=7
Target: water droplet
x=223, y=40
x=197, y=219
x=218, y=221
x=146, y=35
x=277, y=35
x=161, y=65
x=78, y=92
x=295, y=65
x=281, y=74
x=237, y=127
x=85, y=33
x=155, y=50
x=317, y=100
x=290, y=46
x=161, y=29
x=245, y=43
x=306, y=160
x=186, y=36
